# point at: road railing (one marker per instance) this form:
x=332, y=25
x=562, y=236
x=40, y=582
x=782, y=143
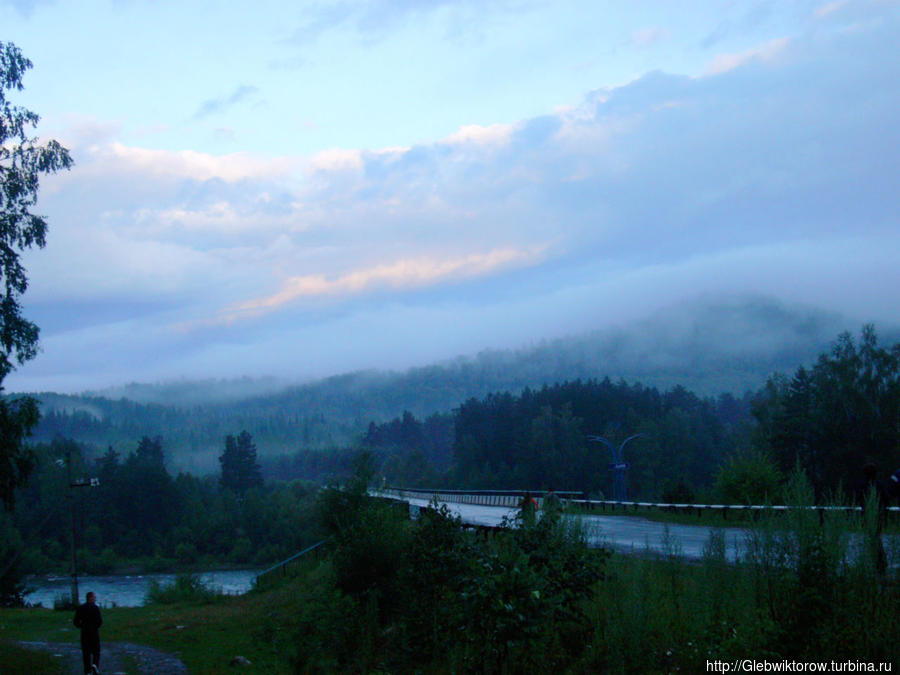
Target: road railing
x=513, y=498
x=281, y=569
x=508, y=498
x=700, y=509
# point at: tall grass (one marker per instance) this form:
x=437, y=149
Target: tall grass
x=429, y=597
x=807, y=587
x=184, y=588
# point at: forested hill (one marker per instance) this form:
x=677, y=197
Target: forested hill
x=721, y=348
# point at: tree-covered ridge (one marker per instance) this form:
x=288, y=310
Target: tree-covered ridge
x=540, y=438
x=840, y=414
x=834, y=416
x=830, y=419
x=729, y=347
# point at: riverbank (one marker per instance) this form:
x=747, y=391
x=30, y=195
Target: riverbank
x=130, y=590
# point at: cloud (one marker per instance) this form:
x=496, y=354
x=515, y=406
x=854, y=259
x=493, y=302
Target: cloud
x=649, y=36
x=26, y=7
x=767, y=51
x=409, y=273
x=216, y=105
x=493, y=134
x=188, y=164
x=778, y=181
x=829, y=8
x=337, y=159
x=374, y=18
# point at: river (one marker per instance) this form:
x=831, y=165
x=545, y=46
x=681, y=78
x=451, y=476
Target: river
x=128, y=590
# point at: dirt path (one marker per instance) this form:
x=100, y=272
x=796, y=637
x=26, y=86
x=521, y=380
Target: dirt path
x=117, y=658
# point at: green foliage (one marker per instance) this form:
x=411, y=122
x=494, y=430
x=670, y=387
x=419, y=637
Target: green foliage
x=329, y=634
x=428, y=595
x=17, y=659
x=62, y=602
x=22, y=162
x=749, y=477
x=533, y=598
x=524, y=599
x=12, y=588
x=185, y=588
x=538, y=438
x=838, y=415
x=677, y=492
x=240, y=470
x=370, y=536
x=141, y=516
x=17, y=418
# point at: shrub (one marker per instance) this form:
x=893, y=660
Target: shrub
x=63, y=602
x=185, y=588
x=749, y=477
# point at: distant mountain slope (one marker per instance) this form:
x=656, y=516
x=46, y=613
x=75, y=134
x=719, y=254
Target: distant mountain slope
x=709, y=348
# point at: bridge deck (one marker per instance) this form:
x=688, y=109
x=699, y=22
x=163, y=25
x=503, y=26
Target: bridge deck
x=629, y=534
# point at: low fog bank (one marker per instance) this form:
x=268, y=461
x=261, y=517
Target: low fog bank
x=709, y=347
x=189, y=393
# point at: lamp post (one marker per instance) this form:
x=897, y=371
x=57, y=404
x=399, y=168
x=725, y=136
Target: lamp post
x=620, y=489
x=81, y=482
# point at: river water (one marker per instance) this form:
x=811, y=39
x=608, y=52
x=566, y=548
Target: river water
x=128, y=590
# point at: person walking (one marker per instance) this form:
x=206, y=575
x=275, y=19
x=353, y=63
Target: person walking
x=88, y=619
x=527, y=509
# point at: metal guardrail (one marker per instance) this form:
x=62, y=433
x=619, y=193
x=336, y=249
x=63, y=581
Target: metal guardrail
x=512, y=498
x=724, y=509
x=282, y=566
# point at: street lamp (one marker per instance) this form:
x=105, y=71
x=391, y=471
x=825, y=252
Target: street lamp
x=620, y=490
x=81, y=482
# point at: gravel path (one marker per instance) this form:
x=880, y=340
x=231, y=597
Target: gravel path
x=117, y=658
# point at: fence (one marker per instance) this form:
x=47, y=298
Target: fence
x=281, y=569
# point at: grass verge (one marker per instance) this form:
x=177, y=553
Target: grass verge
x=204, y=635
x=16, y=659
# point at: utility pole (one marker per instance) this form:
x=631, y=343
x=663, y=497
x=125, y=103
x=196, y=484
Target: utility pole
x=93, y=482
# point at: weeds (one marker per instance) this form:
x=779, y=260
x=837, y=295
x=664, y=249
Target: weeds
x=185, y=588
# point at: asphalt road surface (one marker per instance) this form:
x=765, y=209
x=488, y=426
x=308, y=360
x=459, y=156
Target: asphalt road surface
x=629, y=534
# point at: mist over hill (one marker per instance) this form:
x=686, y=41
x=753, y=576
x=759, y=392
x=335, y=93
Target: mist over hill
x=707, y=347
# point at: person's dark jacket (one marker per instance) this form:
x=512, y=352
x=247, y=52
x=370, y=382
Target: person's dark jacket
x=88, y=619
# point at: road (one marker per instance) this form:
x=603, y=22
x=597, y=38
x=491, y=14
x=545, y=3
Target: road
x=117, y=658
x=629, y=534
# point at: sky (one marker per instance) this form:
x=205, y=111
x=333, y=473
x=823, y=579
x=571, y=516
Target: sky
x=304, y=189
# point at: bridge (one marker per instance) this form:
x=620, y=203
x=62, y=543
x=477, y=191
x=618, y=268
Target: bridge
x=603, y=528
x=601, y=525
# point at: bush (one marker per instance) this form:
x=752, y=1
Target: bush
x=12, y=588
x=185, y=588
x=750, y=477
x=63, y=602
x=186, y=553
x=415, y=597
x=819, y=586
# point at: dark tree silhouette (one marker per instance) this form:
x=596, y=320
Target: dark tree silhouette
x=240, y=469
x=22, y=161
x=838, y=415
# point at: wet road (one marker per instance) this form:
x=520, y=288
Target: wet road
x=623, y=533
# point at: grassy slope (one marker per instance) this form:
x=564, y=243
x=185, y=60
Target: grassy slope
x=206, y=636
x=17, y=659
